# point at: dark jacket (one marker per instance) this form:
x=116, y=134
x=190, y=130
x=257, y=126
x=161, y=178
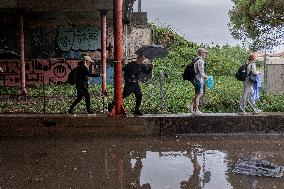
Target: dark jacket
x=132, y=71
x=83, y=75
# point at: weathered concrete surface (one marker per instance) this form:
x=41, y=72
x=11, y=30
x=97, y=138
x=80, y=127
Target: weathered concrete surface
x=152, y=124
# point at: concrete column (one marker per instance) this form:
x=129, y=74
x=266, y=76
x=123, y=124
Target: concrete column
x=118, y=47
x=22, y=56
x=103, y=52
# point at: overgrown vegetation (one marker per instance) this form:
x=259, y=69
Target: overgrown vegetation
x=223, y=62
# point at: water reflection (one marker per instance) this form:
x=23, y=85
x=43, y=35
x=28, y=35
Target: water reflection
x=134, y=163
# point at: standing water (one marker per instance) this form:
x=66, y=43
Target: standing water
x=168, y=162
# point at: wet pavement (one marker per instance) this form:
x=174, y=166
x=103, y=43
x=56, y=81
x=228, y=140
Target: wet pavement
x=168, y=162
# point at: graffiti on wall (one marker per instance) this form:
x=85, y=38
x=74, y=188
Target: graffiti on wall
x=40, y=46
x=74, y=38
x=49, y=71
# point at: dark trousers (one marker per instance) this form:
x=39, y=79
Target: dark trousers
x=82, y=92
x=131, y=87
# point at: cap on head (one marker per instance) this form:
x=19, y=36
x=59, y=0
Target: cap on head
x=201, y=50
x=252, y=56
x=87, y=58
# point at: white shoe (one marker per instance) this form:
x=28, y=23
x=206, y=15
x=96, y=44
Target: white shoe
x=197, y=112
x=257, y=111
x=190, y=107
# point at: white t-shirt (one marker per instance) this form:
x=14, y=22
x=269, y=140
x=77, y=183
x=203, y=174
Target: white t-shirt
x=199, y=67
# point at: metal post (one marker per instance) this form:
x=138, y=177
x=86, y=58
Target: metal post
x=139, y=5
x=103, y=52
x=22, y=56
x=161, y=91
x=265, y=71
x=117, y=21
x=126, y=45
x=43, y=88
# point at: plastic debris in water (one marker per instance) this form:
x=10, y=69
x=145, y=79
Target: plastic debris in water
x=257, y=167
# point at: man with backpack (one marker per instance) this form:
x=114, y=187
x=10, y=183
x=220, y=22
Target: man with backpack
x=198, y=80
x=82, y=83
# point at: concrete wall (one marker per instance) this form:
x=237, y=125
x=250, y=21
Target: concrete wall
x=275, y=75
x=55, y=42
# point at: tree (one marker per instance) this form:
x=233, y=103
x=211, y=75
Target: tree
x=260, y=23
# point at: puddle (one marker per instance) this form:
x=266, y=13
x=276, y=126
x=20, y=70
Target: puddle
x=159, y=163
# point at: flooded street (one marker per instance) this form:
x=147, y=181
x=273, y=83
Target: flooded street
x=188, y=161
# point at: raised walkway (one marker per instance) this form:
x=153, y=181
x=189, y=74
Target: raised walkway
x=149, y=124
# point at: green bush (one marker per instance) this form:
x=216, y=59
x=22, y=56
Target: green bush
x=222, y=64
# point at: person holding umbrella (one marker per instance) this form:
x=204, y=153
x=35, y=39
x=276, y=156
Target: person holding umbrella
x=132, y=72
x=134, y=69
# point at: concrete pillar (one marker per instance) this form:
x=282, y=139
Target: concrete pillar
x=118, y=47
x=103, y=52
x=22, y=56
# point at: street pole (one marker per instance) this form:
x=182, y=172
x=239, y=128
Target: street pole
x=22, y=55
x=103, y=52
x=118, y=46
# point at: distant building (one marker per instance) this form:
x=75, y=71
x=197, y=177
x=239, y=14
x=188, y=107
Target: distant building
x=275, y=75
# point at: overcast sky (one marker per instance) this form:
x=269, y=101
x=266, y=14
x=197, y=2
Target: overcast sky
x=201, y=21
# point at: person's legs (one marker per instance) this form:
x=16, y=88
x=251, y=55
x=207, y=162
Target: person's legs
x=127, y=90
x=198, y=94
x=252, y=103
x=87, y=99
x=196, y=101
x=77, y=100
x=246, y=92
x=138, y=95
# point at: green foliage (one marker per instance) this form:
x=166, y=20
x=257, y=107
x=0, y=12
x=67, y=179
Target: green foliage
x=260, y=21
x=222, y=64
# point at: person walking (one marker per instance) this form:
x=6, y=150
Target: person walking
x=247, y=95
x=82, y=84
x=132, y=72
x=198, y=81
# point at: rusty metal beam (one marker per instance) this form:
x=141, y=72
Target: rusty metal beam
x=22, y=56
x=103, y=52
x=118, y=46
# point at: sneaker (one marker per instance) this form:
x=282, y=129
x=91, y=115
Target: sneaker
x=257, y=111
x=138, y=112
x=190, y=107
x=197, y=112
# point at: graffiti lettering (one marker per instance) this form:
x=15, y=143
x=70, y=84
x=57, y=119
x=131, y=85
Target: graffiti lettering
x=50, y=71
x=39, y=43
x=78, y=38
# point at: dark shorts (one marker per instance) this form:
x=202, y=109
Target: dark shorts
x=198, y=86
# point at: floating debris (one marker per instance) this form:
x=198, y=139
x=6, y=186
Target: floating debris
x=257, y=167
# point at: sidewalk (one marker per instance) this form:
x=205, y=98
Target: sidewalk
x=149, y=124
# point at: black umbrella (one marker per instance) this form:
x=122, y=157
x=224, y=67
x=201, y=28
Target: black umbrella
x=152, y=51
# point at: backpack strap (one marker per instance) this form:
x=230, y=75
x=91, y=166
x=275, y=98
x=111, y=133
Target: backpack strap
x=193, y=62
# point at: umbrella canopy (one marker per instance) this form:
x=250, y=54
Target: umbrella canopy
x=152, y=51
